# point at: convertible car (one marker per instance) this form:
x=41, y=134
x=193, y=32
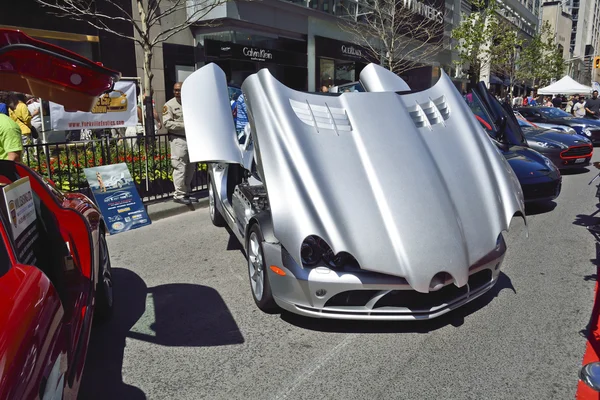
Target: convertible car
x=566, y=151
x=546, y=116
x=56, y=274
x=355, y=205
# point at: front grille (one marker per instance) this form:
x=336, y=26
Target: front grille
x=424, y=301
x=578, y=151
x=410, y=299
x=540, y=190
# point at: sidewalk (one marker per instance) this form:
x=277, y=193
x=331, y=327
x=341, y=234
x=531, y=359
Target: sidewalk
x=168, y=208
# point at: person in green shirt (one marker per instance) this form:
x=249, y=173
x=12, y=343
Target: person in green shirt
x=11, y=144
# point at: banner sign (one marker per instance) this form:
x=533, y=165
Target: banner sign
x=117, y=197
x=116, y=109
x=595, y=86
x=21, y=213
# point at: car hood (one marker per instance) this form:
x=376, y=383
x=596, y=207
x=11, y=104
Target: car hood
x=555, y=137
x=575, y=121
x=528, y=164
x=408, y=185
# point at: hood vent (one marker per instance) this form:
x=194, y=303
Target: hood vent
x=322, y=117
x=430, y=113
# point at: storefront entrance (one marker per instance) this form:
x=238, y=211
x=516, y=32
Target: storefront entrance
x=338, y=62
x=239, y=61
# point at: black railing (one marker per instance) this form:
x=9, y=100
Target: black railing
x=149, y=162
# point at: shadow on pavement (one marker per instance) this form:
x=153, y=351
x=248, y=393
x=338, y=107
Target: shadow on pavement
x=539, y=208
x=455, y=318
x=184, y=315
x=574, y=171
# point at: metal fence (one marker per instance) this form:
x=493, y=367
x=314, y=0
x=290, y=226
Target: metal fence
x=148, y=160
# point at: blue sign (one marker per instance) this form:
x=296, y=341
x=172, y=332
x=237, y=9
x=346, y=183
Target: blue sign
x=117, y=197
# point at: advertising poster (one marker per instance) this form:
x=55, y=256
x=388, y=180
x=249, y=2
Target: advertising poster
x=117, y=197
x=116, y=109
x=21, y=213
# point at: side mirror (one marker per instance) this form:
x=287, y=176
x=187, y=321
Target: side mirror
x=590, y=375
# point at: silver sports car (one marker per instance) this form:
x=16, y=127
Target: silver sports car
x=355, y=205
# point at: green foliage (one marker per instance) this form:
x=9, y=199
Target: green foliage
x=473, y=36
x=66, y=165
x=541, y=59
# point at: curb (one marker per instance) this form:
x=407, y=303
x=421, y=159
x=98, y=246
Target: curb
x=169, y=208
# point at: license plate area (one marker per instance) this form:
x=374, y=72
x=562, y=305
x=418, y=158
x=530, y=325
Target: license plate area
x=579, y=160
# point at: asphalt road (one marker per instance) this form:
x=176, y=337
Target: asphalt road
x=186, y=326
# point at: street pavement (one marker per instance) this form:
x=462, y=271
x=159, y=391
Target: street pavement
x=186, y=327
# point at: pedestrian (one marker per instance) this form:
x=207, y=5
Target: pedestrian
x=324, y=89
x=34, y=106
x=3, y=101
x=570, y=103
x=518, y=101
x=557, y=101
x=579, y=108
x=241, y=117
x=183, y=169
x=19, y=113
x=592, y=106
x=11, y=145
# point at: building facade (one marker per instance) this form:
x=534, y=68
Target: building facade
x=561, y=23
x=302, y=43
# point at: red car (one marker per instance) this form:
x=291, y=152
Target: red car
x=55, y=276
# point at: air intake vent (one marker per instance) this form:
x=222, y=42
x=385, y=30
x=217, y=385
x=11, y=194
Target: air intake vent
x=322, y=117
x=430, y=113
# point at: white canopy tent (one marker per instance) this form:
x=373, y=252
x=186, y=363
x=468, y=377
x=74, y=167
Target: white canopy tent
x=566, y=86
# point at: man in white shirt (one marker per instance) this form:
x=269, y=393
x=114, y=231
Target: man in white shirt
x=579, y=108
x=33, y=105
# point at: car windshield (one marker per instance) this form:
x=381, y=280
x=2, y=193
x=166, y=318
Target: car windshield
x=551, y=112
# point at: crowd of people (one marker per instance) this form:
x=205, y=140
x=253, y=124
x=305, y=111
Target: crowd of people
x=577, y=105
x=20, y=123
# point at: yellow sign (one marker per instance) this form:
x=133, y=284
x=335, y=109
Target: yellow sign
x=596, y=62
x=115, y=101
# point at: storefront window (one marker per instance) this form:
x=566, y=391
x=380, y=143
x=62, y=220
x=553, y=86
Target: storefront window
x=336, y=72
x=327, y=68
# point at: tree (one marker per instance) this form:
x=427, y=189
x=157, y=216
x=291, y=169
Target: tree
x=147, y=31
x=504, y=54
x=542, y=59
x=474, y=36
x=399, y=33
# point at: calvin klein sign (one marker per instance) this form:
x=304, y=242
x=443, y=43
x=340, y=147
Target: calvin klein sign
x=257, y=54
x=351, y=51
x=424, y=10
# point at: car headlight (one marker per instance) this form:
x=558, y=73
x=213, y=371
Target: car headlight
x=587, y=132
x=548, y=145
x=315, y=250
x=547, y=161
x=571, y=131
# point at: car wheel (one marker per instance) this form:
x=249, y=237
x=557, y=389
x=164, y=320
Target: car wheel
x=215, y=215
x=104, y=288
x=259, y=279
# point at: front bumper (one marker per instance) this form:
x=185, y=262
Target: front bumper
x=541, y=189
x=363, y=295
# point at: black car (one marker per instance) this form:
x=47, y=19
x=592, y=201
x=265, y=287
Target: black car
x=540, y=179
x=589, y=128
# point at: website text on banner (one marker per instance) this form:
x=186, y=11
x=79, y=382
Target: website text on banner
x=116, y=109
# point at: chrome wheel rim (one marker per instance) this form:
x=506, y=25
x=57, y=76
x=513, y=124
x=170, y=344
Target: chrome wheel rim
x=211, y=202
x=106, y=272
x=255, y=266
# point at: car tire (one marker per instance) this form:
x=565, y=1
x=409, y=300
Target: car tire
x=257, y=272
x=104, y=287
x=215, y=215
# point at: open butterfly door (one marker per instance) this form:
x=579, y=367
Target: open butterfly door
x=209, y=128
x=51, y=72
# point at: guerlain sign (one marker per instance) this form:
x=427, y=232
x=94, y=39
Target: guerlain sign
x=351, y=51
x=257, y=54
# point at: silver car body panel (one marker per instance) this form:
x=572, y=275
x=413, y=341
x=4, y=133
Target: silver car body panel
x=375, y=78
x=209, y=127
x=406, y=184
